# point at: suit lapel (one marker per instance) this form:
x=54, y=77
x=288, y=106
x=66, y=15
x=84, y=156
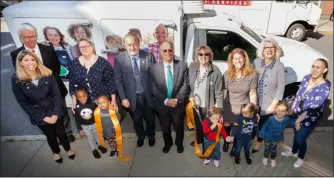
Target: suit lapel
x=162, y=77
x=43, y=54
x=176, y=71
x=128, y=64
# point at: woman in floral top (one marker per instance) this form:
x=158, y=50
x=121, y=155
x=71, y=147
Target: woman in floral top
x=308, y=107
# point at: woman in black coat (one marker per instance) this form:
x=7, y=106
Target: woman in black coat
x=37, y=92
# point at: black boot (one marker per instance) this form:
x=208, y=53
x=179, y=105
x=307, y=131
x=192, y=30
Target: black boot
x=237, y=160
x=248, y=160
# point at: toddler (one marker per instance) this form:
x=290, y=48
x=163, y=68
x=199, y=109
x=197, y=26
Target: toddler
x=104, y=124
x=85, y=121
x=272, y=132
x=243, y=129
x=210, y=130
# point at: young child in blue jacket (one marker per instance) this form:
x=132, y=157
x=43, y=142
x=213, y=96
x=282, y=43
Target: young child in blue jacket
x=272, y=132
x=243, y=129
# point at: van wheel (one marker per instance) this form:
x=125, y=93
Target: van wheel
x=290, y=93
x=296, y=32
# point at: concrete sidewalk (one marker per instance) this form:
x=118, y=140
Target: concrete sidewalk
x=325, y=27
x=34, y=158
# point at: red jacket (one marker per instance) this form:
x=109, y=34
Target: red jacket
x=211, y=134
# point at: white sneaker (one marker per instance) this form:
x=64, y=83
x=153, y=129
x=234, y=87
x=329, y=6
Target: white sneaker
x=298, y=163
x=288, y=154
x=216, y=163
x=206, y=161
x=273, y=163
x=265, y=161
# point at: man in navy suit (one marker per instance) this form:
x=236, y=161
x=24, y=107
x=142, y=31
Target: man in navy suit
x=170, y=89
x=134, y=86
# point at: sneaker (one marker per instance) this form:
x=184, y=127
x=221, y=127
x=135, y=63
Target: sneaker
x=298, y=163
x=216, y=163
x=273, y=163
x=206, y=161
x=96, y=154
x=112, y=153
x=102, y=149
x=265, y=161
x=288, y=154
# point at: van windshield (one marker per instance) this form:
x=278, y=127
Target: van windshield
x=251, y=33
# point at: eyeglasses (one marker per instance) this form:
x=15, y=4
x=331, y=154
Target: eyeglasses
x=270, y=48
x=84, y=47
x=203, y=54
x=29, y=37
x=167, y=50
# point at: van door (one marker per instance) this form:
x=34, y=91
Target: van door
x=222, y=42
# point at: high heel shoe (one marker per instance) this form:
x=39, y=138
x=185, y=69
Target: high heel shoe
x=59, y=160
x=71, y=156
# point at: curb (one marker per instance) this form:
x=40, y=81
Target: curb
x=125, y=135
x=326, y=32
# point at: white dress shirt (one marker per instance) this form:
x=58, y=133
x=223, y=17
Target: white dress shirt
x=37, y=51
x=166, y=74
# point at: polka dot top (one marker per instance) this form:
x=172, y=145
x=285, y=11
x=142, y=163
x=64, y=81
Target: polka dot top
x=98, y=81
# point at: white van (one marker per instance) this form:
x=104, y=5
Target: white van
x=189, y=25
x=289, y=18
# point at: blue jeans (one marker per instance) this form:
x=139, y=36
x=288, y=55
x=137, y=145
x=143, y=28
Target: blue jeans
x=299, y=141
x=215, y=152
x=242, y=142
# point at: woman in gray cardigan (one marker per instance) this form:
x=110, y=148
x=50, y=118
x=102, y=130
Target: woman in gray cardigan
x=206, y=83
x=271, y=82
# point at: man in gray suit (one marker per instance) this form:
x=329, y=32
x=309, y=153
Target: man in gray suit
x=134, y=87
x=170, y=88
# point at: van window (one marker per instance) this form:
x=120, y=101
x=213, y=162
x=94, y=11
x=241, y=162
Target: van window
x=62, y=35
x=223, y=42
x=114, y=30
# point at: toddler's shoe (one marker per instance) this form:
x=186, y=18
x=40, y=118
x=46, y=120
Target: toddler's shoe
x=112, y=153
x=273, y=163
x=206, y=161
x=265, y=161
x=96, y=154
x=237, y=160
x=216, y=163
x=102, y=149
x=248, y=161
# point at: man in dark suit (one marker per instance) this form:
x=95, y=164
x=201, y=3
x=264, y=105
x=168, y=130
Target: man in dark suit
x=134, y=86
x=170, y=88
x=28, y=35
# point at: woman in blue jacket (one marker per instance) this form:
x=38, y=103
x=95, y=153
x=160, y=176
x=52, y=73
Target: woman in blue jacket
x=38, y=94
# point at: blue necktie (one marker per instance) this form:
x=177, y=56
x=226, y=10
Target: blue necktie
x=139, y=87
x=169, y=82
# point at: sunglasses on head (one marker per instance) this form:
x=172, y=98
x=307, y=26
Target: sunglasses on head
x=165, y=50
x=203, y=54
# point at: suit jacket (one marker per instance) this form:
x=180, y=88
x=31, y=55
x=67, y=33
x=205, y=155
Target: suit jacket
x=125, y=78
x=50, y=60
x=180, y=86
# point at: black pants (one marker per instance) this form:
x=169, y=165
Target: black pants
x=143, y=111
x=263, y=119
x=54, y=131
x=67, y=119
x=121, y=110
x=166, y=121
x=199, y=128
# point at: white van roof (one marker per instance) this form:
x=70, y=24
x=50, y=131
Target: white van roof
x=60, y=9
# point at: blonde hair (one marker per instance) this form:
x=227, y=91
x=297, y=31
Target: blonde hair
x=41, y=70
x=246, y=70
x=205, y=48
x=278, y=52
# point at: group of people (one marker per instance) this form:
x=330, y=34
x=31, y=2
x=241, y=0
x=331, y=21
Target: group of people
x=230, y=104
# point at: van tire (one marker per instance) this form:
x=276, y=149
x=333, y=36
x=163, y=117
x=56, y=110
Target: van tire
x=296, y=32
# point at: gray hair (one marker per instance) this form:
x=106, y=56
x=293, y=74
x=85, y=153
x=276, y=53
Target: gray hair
x=161, y=26
x=279, y=52
x=27, y=26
